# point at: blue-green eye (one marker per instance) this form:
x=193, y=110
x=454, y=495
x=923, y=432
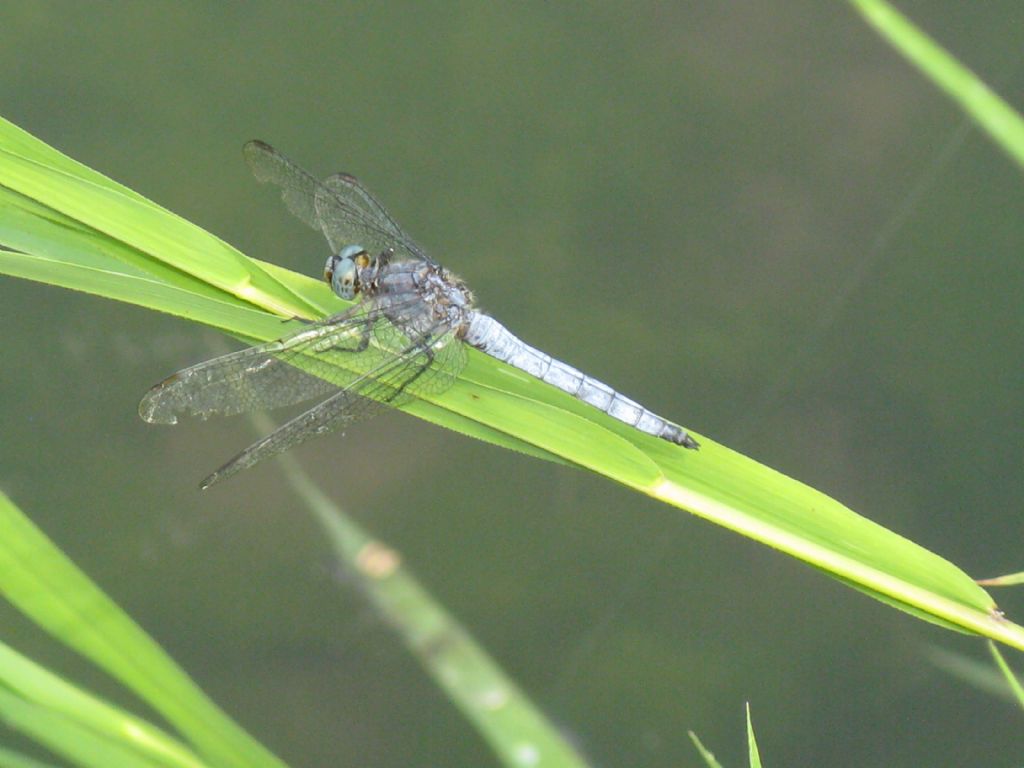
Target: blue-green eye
x=342, y=271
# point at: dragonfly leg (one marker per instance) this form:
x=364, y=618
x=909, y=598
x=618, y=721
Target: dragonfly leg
x=422, y=346
x=364, y=341
x=429, y=354
x=361, y=345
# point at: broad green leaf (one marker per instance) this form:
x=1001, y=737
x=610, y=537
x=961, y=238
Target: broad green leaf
x=142, y=262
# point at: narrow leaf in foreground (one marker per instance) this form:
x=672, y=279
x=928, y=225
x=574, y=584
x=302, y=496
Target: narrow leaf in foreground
x=988, y=109
x=39, y=580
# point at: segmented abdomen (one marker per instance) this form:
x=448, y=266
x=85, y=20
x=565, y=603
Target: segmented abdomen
x=491, y=337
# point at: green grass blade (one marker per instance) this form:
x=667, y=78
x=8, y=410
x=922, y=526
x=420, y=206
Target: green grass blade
x=706, y=755
x=46, y=586
x=40, y=687
x=753, y=753
x=67, y=738
x=516, y=730
x=1014, y=683
x=12, y=759
x=974, y=673
x=1006, y=580
x=994, y=115
x=490, y=400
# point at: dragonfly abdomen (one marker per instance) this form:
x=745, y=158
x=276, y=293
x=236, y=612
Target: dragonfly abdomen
x=491, y=337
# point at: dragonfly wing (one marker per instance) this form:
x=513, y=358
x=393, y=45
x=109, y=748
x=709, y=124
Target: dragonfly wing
x=327, y=416
x=427, y=364
x=375, y=229
x=340, y=207
x=298, y=188
x=314, y=360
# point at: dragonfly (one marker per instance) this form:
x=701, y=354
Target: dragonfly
x=405, y=337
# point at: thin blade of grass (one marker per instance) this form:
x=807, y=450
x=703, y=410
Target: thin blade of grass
x=38, y=686
x=514, y=727
x=706, y=754
x=1016, y=688
x=753, y=753
x=40, y=581
x=67, y=738
x=1001, y=122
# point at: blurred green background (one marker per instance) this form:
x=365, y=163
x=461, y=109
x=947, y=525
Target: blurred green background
x=752, y=217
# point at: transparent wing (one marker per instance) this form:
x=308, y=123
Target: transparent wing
x=348, y=189
x=340, y=207
x=261, y=377
x=361, y=360
x=311, y=362
x=298, y=188
x=429, y=364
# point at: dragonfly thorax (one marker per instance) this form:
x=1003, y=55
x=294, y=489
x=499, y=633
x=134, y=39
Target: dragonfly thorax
x=422, y=298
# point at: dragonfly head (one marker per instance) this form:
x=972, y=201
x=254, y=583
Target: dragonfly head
x=342, y=270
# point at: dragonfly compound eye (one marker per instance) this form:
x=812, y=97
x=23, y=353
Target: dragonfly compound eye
x=342, y=271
